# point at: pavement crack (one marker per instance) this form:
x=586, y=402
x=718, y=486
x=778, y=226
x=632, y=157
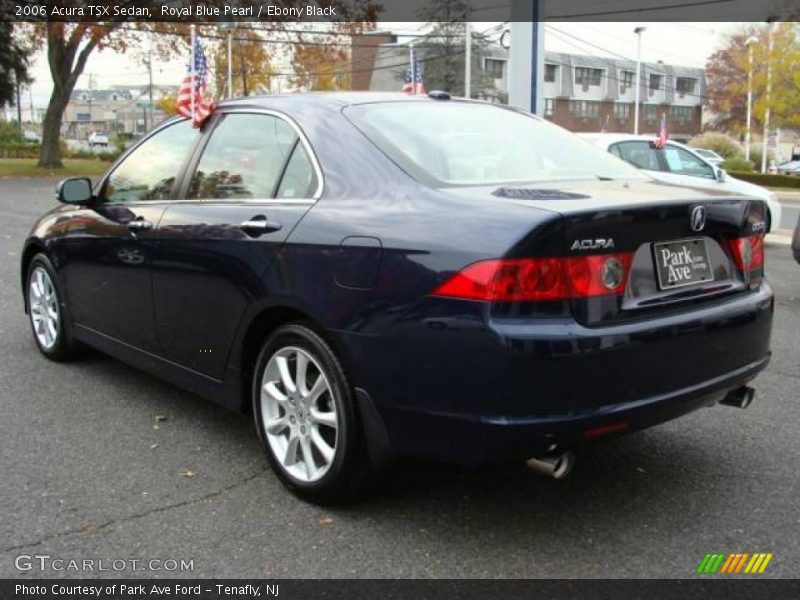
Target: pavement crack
x=133, y=517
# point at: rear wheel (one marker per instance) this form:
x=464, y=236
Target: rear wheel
x=47, y=311
x=306, y=417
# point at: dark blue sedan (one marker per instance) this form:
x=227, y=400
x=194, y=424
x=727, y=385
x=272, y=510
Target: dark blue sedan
x=376, y=275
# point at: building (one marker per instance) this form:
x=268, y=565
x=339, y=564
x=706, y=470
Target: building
x=117, y=110
x=581, y=93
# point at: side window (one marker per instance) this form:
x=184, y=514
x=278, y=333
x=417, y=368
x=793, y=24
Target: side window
x=640, y=154
x=299, y=179
x=683, y=162
x=150, y=170
x=243, y=158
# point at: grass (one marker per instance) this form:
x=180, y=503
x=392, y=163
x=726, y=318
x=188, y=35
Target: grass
x=73, y=167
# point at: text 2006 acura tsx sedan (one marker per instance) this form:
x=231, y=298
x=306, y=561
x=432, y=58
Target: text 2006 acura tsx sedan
x=379, y=275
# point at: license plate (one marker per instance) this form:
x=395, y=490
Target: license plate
x=681, y=263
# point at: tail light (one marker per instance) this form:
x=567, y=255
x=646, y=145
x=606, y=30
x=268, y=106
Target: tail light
x=531, y=279
x=747, y=252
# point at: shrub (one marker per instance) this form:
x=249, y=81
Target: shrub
x=737, y=164
x=722, y=144
x=9, y=134
x=18, y=150
x=768, y=180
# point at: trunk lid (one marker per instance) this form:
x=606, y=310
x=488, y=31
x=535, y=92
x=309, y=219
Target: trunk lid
x=677, y=246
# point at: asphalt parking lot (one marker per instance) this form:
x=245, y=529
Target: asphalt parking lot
x=89, y=471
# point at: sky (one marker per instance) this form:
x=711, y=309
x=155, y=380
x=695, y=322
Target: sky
x=687, y=44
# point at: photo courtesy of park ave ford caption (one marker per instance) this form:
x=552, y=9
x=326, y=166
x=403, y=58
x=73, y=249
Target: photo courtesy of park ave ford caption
x=332, y=298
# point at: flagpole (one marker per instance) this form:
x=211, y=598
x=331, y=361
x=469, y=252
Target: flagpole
x=192, y=67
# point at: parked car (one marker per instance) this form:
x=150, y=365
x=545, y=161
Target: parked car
x=388, y=301
x=711, y=157
x=97, y=138
x=31, y=137
x=791, y=167
x=682, y=165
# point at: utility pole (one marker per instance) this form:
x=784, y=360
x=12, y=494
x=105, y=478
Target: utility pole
x=91, y=79
x=468, y=60
x=30, y=98
x=19, y=102
x=638, y=31
x=765, y=143
x=229, y=26
x=150, y=85
x=749, y=44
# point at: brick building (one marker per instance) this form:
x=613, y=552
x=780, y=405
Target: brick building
x=581, y=93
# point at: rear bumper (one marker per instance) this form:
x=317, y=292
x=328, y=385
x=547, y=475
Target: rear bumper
x=469, y=394
x=494, y=439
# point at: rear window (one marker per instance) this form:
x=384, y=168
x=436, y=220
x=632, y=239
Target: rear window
x=454, y=143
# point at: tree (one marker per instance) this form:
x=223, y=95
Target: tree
x=727, y=71
x=322, y=63
x=251, y=67
x=443, y=51
x=69, y=46
x=14, y=62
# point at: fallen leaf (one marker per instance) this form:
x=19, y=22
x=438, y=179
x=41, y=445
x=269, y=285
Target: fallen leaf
x=160, y=418
x=89, y=529
x=153, y=446
x=325, y=522
x=156, y=427
x=188, y=473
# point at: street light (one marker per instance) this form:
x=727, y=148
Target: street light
x=638, y=31
x=749, y=44
x=765, y=146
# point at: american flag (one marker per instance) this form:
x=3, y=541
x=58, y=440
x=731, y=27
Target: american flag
x=661, y=140
x=413, y=81
x=192, y=94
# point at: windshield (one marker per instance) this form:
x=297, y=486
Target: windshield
x=451, y=143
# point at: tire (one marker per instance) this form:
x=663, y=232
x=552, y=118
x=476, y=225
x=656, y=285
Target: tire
x=47, y=311
x=328, y=463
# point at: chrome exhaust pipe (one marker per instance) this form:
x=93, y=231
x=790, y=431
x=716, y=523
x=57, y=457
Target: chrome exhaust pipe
x=741, y=397
x=557, y=467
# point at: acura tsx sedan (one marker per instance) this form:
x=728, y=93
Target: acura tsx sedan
x=378, y=275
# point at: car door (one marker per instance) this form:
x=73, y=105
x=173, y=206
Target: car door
x=108, y=245
x=246, y=190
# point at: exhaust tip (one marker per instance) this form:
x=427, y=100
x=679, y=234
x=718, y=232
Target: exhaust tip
x=741, y=397
x=557, y=467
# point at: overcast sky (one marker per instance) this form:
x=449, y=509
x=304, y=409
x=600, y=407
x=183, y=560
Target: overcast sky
x=687, y=44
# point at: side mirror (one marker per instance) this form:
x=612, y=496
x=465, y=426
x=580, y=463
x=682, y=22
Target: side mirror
x=720, y=175
x=75, y=190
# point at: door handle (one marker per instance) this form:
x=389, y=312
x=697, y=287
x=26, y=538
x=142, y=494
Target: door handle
x=139, y=225
x=259, y=225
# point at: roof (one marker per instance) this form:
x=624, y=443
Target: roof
x=322, y=99
x=612, y=138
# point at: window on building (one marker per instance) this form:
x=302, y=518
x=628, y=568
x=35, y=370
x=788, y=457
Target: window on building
x=685, y=85
x=549, y=107
x=681, y=114
x=622, y=111
x=584, y=109
x=586, y=76
x=550, y=73
x=655, y=82
x=626, y=80
x=495, y=68
x=650, y=113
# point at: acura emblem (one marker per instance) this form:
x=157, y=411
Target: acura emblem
x=698, y=221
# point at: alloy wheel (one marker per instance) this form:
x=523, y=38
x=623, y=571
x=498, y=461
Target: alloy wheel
x=299, y=414
x=43, y=307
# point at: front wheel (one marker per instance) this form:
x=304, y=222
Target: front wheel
x=306, y=417
x=47, y=310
